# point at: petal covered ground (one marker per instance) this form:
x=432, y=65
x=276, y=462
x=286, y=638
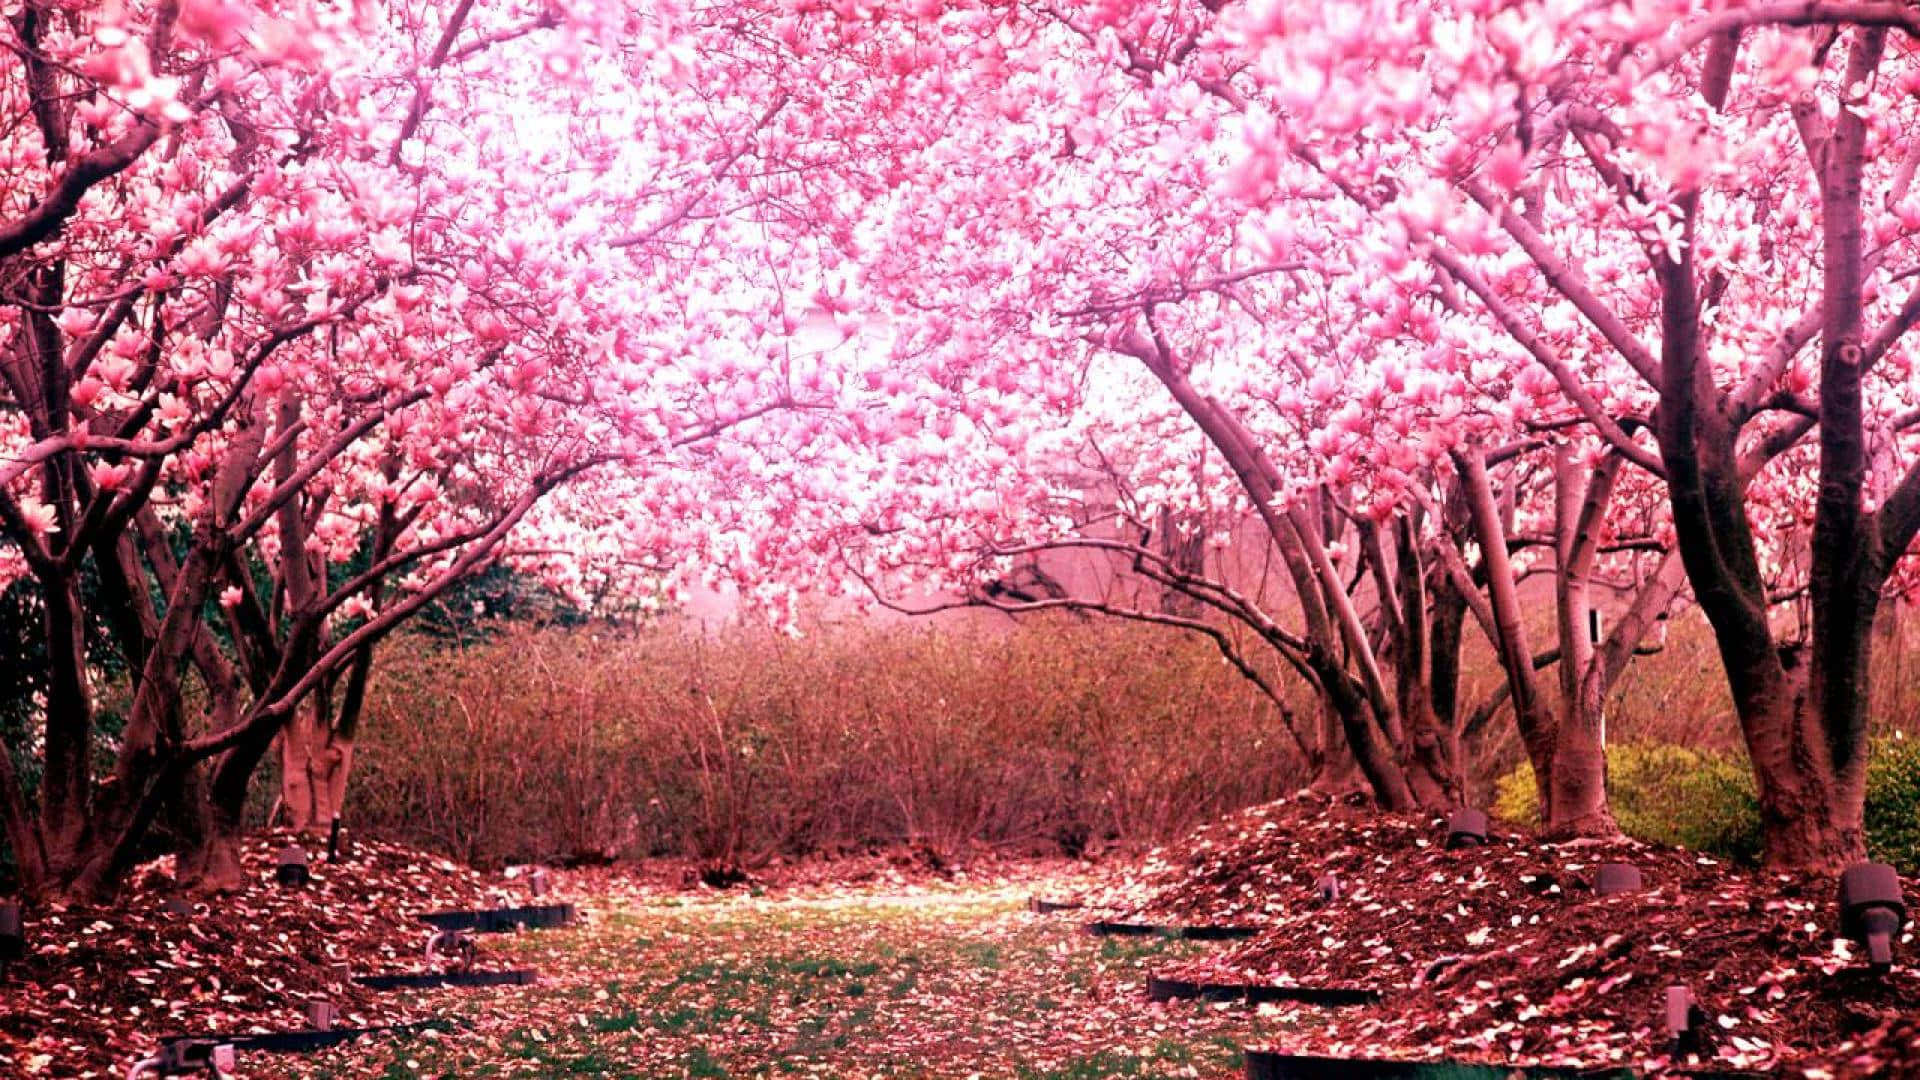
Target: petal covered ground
x=867, y=968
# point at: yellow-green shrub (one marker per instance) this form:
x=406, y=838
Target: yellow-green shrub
x=1893, y=802
x=1665, y=794
x=1705, y=801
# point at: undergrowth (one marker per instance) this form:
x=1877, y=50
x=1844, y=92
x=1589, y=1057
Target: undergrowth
x=1705, y=800
x=1048, y=737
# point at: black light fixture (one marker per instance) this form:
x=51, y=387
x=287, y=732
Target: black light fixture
x=291, y=869
x=1612, y=879
x=1685, y=1019
x=13, y=935
x=1872, y=911
x=1466, y=827
x=333, y=840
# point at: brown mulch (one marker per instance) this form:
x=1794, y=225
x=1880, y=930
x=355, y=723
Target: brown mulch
x=1504, y=953
x=1499, y=953
x=100, y=984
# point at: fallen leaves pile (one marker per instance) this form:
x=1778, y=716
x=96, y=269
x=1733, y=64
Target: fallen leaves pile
x=99, y=986
x=888, y=966
x=1505, y=953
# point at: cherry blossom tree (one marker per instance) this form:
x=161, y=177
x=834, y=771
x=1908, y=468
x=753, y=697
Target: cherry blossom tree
x=1090, y=229
x=311, y=314
x=1696, y=220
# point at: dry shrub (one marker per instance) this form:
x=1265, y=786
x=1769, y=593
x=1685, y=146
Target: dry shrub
x=1049, y=736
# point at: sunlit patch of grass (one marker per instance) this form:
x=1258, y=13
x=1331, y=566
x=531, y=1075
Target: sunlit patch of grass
x=1167, y=1057
x=905, y=986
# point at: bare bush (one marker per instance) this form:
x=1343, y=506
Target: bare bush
x=736, y=748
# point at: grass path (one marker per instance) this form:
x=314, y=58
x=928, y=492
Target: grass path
x=952, y=983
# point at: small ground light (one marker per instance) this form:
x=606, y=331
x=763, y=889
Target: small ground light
x=1684, y=1019
x=321, y=1014
x=291, y=869
x=1872, y=910
x=333, y=840
x=1612, y=879
x=1466, y=827
x=540, y=882
x=185, y=1056
x=1327, y=887
x=13, y=936
x=452, y=948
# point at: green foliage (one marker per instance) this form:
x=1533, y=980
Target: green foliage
x=23, y=687
x=1893, y=802
x=1705, y=801
x=1666, y=794
x=491, y=601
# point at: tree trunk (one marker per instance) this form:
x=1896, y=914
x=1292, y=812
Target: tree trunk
x=1577, y=779
x=1337, y=772
x=1386, y=775
x=1576, y=784
x=215, y=864
x=315, y=760
x=67, y=780
x=1811, y=819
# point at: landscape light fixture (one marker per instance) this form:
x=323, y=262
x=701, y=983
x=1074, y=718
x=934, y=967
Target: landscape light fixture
x=1685, y=1019
x=540, y=882
x=1612, y=879
x=291, y=868
x=321, y=1014
x=1327, y=887
x=1872, y=910
x=452, y=948
x=13, y=936
x=1466, y=827
x=333, y=840
x=185, y=1056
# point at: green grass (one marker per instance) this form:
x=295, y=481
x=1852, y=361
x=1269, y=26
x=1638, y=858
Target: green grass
x=950, y=987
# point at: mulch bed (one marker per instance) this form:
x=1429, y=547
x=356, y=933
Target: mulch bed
x=100, y=984
x=1503, y=953
x=1494, y=954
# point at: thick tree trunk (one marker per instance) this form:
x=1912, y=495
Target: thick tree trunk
x=1810, y=818
x=1576, y=785
x=315, y=760
x=1430, y=757
x=67, y=780
x=215, y=864
x=1336, y=772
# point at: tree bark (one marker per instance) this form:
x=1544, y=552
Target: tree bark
x=315, y=760
x=1576, y=787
